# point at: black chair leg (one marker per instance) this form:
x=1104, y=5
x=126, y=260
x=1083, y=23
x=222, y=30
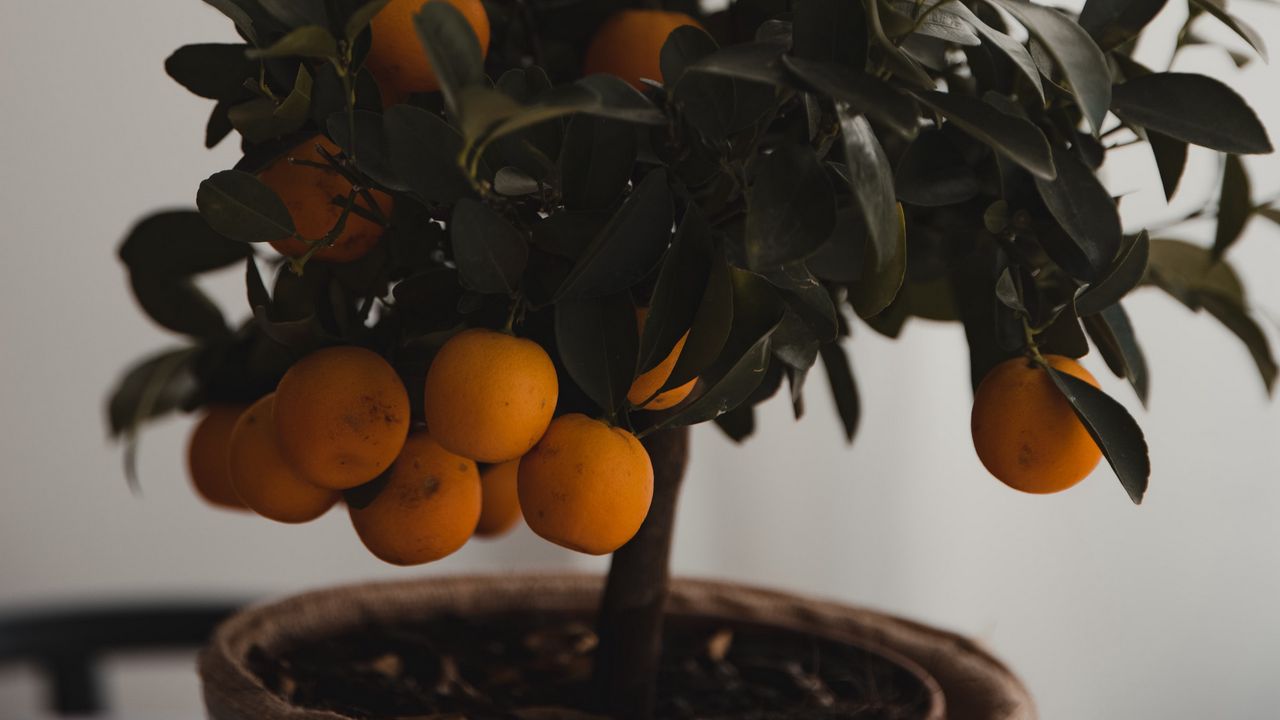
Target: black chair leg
x=75, y=688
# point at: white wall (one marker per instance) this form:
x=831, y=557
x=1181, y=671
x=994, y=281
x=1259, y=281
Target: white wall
x=1107, y=610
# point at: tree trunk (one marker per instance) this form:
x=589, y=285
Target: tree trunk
x=630, y=621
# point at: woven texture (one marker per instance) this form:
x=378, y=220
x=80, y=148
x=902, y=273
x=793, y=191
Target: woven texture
x=966, y=682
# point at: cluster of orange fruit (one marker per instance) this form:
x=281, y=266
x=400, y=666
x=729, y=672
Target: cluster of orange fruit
x=340, y=418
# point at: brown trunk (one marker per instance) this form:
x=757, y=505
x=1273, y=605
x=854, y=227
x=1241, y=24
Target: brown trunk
x=630, y=620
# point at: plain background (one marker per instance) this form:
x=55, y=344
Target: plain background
x=1106, y=609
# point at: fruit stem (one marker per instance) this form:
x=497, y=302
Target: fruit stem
x=1033, y=350
x=629, y=624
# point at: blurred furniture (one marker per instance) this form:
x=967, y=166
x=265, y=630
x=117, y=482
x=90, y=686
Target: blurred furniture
x=68, y=644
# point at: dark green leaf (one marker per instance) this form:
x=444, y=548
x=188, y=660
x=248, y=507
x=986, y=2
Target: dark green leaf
x=311, y=41
x=629, y=246
x=871, y=179
x=1112, y=428
x=739, y=423
x=158, y=385
x=878, y=287
x=262, y=119
x=807, y=298
x=685, y=46
x=1084, y=209
x=297, y=12
x=491, y=254
x=512, y=182
x=596, y=162
x=240, y=207
x=1187, y=271
x=1130, y=266
x=1113, y=334
x=1235, y=205
x=831, y=31
x=681, y=283
x=1075, y=52
x=424, y=152
x=718, y=105
x=1239, y=27
x=1192, y=108
x=1006, y=45
x=1171, y=160
x=1112, y=23
x=360, y=19
x=176, y=244
x=453, y=48
x=937, y=21
x=370, y=147
x=757, y=62
x=864, y=93
x=844, y=389
x=711, y=325
x=251, y=20
x=597, y=341
x=1236, y=319
x=791, y=207
x=177, y=304
x=933, y=173
x=211, y=71
x=1014, y=137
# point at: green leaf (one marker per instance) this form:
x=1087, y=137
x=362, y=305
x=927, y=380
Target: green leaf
x=424, y=151
x=932, y=172
x=878, y=287
x=1236, y=318
x=242, y=208
x=711, y=325
x=295, y=13
x=870, y=179
x=1084, y=209
x=1239, y=27
x=596, y=162
x=678, y=291
x=157, y=385
x=370, y=148
x=936, y=21
x=1007, y=46
x=178, y=244
x=1112, y=23
x=685, y=46
x=1112, y=428
x=250, y=19
x=211, y=70
x=791, y=207
x=1112, y=332
x=262, y=119
x=1013, y=137
x=453, y=49
x=1235, y=206
x=597, y=342
x=1192, y=108
x=1171, y=160
x=808, y=298
x=1187, y=271
x=310, y=41
x=844, y=389
x=1075, y=52
x=1125, y=275
x=864, y=93
x=629, y=246
x=175, y=303
x=491, y=254
x=360, y=19
x=832, y=31
x=755, y=62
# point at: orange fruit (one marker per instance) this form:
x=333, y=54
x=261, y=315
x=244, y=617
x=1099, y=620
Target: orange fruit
x=428, y=508
x=264, y=482
x=342, y=415
x=489, y=396
x=1024, y=430
x=501, y=507
x=587, y=485
x=629, y=44
x=648, y=383
x=308, y=192
x=207, y=456
x=397, y=59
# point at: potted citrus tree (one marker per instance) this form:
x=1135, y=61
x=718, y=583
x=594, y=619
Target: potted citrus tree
x=500, y=256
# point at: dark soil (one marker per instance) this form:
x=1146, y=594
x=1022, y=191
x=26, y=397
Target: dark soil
x=537, y=667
